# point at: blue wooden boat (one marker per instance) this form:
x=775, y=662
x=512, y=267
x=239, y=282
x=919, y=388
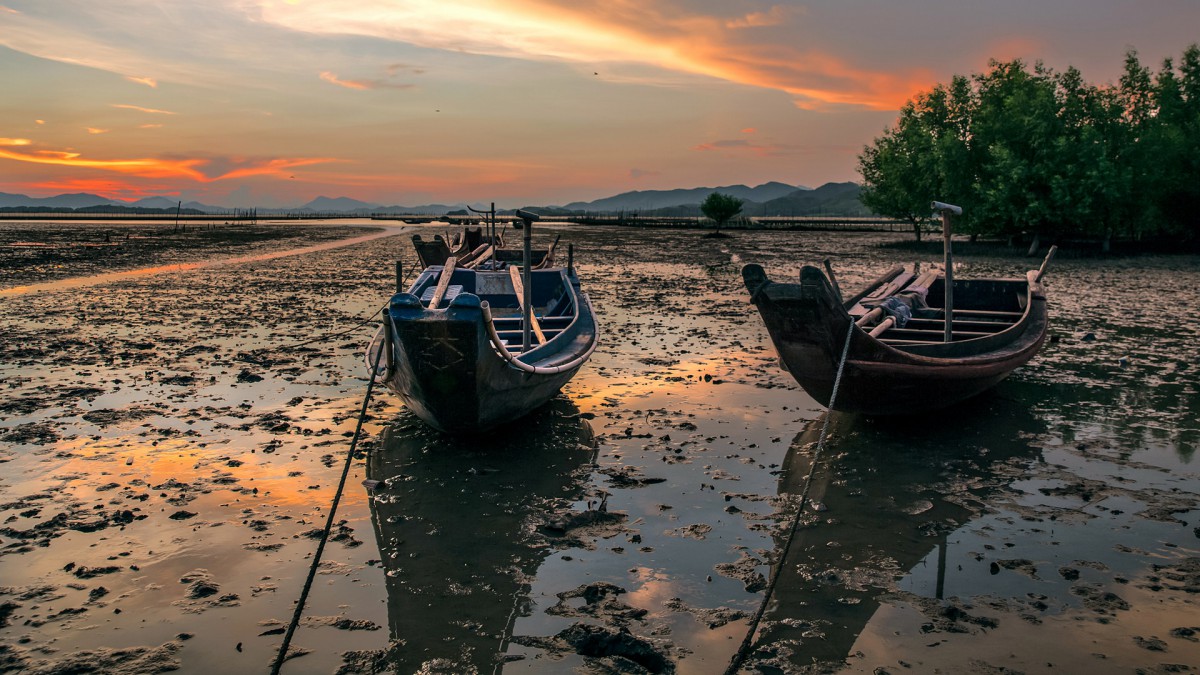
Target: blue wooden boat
x=458, y=350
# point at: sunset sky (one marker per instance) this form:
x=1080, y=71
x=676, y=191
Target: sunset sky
x=522, y=102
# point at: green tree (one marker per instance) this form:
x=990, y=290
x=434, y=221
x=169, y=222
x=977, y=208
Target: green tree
x=721, y=208
x=897, y=170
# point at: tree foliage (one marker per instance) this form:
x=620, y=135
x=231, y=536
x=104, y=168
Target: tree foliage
x=1032, y=151
x=721, y=208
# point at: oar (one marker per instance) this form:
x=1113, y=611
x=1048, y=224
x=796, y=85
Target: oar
x=443, y=282
x=1045, y=264
x=519, y=289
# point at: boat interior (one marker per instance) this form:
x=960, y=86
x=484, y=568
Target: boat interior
x=553, y=302
x=982, y=308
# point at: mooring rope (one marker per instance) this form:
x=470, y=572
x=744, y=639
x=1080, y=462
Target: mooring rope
x=337, y=497
x=736, y=663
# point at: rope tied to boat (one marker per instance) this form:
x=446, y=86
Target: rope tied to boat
x=337, y=497
x=739, y=658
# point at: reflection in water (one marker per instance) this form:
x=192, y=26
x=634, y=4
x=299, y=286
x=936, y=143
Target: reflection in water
x=887, y=492
x=456, y=521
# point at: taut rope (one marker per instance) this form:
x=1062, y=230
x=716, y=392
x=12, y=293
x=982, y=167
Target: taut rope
x=736, y=663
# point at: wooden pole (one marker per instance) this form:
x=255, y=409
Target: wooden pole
x=833, y=280
x=946, y=210
x=399, y=277
x=949, y=264
x=527, y=255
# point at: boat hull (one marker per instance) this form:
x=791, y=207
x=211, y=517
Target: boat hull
x=808, y=326
x=445, y=368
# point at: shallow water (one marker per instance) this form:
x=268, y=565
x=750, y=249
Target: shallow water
x=1060, y=512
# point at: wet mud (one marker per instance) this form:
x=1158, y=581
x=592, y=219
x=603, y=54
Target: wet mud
x=170, y=445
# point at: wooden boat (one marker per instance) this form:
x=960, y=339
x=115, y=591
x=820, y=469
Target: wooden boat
x=457, y=524
x=468, y=349
x=895, y=366
x=473, y=249
x=443, y=247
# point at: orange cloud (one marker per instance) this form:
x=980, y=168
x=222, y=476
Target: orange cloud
x=109, y=189
x=595, y=31
x=152, y=111
x=94, y=130
x=349, y=84
x=772, y=17
x=148, y=81
x=199, y=169
x=15, y=141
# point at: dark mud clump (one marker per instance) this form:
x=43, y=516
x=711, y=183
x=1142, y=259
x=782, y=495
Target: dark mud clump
x=600, y=600
x=616, y=650
x=128, y=661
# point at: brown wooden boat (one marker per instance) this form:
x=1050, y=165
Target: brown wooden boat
x=899, y=360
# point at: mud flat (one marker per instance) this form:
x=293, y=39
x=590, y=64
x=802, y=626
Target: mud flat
x=169, y=444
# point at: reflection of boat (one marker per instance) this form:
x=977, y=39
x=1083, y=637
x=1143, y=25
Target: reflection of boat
x=899, y=359
x=468, y=349
x=889, y=499
x=456, y=522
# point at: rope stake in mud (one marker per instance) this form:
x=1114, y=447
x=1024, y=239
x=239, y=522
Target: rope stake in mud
x=337, y=497
x=736, y=663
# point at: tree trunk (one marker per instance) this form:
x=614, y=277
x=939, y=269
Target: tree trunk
x=917, y=229
x=1035, y=245
x=1106, y=243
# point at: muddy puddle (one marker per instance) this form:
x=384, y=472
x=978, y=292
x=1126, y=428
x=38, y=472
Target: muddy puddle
x=169, y=445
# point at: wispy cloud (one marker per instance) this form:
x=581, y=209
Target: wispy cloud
x=364, y=84
x=349, y=84
x=203, y=169
x=96, y=130
x=15, y=141
x=152, y=111
x=592, y=31
x=148, y=81
x=741, y=146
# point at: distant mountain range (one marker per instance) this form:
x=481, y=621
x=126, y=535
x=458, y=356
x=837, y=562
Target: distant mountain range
x=644, y=200
x=768, y=199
